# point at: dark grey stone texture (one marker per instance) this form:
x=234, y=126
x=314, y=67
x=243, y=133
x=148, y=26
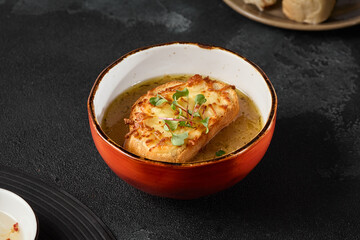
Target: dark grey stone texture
x=306, y=187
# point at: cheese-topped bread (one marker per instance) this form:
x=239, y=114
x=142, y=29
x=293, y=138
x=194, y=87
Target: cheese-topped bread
x=174, y=121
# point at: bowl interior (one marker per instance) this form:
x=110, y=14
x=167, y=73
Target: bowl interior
x=182, y=58
x=17, y=208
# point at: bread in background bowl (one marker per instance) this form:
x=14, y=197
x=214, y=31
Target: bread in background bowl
x=302, y=11
x=261, y=4
x=308, y=11
x=182, y=180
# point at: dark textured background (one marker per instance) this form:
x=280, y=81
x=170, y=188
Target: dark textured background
x=306, y=187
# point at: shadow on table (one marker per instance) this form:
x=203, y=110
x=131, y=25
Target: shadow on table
x=296, y=183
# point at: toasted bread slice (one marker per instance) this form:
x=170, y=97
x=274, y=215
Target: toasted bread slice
x=149, y=139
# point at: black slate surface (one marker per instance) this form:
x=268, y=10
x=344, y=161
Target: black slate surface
x=306, y=187
x=59, y=215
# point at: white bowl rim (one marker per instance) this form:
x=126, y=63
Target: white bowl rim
x=271, y=118
x=27, y=205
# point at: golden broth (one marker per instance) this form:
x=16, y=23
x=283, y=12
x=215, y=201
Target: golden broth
x=234, y=136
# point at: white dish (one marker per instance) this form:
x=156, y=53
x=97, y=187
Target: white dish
x=18, y=209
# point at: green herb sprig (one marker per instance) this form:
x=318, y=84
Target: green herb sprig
x=176, y=139
x=158, y=100
x=188, y=120
x=205, y=122
x=220, y=153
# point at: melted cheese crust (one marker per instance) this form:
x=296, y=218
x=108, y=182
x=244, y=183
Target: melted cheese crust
x=147, y=137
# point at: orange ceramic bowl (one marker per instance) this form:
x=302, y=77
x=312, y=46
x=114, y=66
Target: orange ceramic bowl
x=185, y=180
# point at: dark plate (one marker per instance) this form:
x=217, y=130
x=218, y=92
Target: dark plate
x=60, y=215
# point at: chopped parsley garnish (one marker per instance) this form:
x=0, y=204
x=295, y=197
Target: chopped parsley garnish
x=179, y=94
x=178, y=139
x=186, y=117
x=200, y=99
x=170, y=124
x=205, y=122
x=184, y=124
x=196, y=114
x=158, y=100
x=220, y=153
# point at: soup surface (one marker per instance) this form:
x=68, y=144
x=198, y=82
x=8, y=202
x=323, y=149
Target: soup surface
x=237, y=134
x=9, y=228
